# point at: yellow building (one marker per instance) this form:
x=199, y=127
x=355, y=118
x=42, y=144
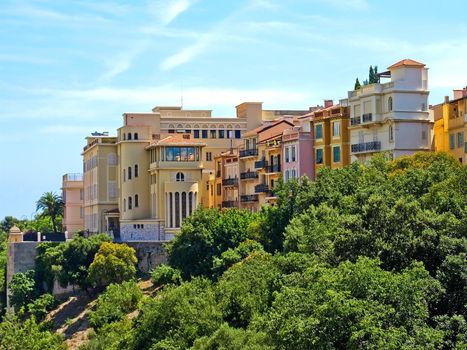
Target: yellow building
x=100, y=183
x=73, y=197
x=451, y=125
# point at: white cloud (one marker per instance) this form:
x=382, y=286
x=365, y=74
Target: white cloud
x=348, y=4
x=168, y=10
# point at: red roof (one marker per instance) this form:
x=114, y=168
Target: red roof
x=406, y=63
x=265, y=127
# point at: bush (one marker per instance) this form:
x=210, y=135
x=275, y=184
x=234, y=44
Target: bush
x=165, y=274
x=22, y=289
x=41, y=306
x=117, y=301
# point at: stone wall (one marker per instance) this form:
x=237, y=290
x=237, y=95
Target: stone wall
x=149, y=254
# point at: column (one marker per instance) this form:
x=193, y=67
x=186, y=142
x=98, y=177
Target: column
x=167, y=208
x=180, y=209
x=173, y=208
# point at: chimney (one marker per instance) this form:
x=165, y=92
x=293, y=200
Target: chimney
x=446, y=99
x=328, y=103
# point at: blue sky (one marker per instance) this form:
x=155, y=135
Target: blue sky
x=68, y=68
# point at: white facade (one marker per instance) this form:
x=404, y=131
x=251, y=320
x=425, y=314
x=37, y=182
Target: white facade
x=391, y=117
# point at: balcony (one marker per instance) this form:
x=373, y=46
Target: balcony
x=263, y=163
x=367, y=117
x=355, y=121
x=275, y=168
x=229, y=204
x=248, y=152
x=73, y=177
x=248, y=198
x=261, y=188
x=248, y=175
x=230, y=182
x=366, y=147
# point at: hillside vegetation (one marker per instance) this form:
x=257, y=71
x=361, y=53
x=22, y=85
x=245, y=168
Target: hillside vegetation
x=365, y=257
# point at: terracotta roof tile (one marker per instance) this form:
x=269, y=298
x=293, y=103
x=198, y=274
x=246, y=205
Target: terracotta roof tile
x=407, y=63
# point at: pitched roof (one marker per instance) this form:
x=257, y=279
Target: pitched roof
x=262, y=128
x=406, y=63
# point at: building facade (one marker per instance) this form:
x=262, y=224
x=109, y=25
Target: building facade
x=73, y=197
x=450, y=125
x=391, y=117
x=298, y=155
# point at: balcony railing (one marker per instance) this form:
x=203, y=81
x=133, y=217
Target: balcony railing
x=73, y=177
x=355, y=121
x=275, y=168
x=229, y=204
x=230, y=182
x=366, y=147
x=249, y=175
x=261, y=188
x=248, y=198
x=263, y=163
x=367, y=117
x=248, y=152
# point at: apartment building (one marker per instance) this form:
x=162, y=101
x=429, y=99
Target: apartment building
x=298, y=155
x=73, y=197
x=391, y=117
x=331, y=143
x=225, y=185
x=100, y=183
x=451, y=125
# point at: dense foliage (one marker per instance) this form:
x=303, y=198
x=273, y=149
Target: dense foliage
x=365, y=257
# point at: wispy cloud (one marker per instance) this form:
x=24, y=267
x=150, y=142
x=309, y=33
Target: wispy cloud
x=347, y=4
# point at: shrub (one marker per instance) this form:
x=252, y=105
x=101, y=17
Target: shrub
x=42, y=305
x=165, y=274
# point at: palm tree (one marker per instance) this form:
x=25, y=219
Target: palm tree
x=51, y=205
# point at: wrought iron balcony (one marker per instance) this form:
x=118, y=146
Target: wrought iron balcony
x=229, y=204
x=261, y=188
x=275, y=168
x=248, y=198
x=263, y=163
x=367, y=117
x=230, y=182
x=355, y=121
x=366, y=147
x=248, y=152
x=248, y=175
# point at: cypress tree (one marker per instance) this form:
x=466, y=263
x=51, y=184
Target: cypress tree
x=357, y=85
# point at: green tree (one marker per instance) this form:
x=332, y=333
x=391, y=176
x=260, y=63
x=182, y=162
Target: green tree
x=8, y=223
x=22, y=288
x=52, y=206
x=357, y=84
x=371, y=75
x=113, y=263
x=165, y=274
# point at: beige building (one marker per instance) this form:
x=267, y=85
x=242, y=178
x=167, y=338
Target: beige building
x=100, y=183
x=73, y=197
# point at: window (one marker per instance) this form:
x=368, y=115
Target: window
x=204, y=134
x=136, y=201
x=336, y=129
x=221, y=134
x=171, y=131
x=460, y=139
x=196, y=134
x=135, y=136
x=336, y=154
x=219, y=189
x=177, y=209
x=180, y=177
x=213, y=134
x=238, y=134
x=391, y=133
x=124, y=175
x=452, y=140
x=319, y=131
x=112, y=190
x=136, y=170
x=424, y=135
x=129, y=136
x=287, y=157
x=230, y=134
x=129, y=173
x=293, y=153
x=180, y=154
x=130, y=203
x=81, y=194
x=111, y=159
x=124, y=204
x=208, y=156
x=286, y=175
x=81, y=212
x=319, y=156
x=389, y=104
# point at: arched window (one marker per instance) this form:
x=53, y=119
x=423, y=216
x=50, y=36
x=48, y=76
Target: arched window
x=136, y=170
x=180, y=177
x=135, y=136
x=130, y=203
x=129, y=136
x=136, y=201
x=129, y=173
x=390, y=104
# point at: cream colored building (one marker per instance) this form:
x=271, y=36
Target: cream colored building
x=391, y=117
x=100, y=183
x=73, y=197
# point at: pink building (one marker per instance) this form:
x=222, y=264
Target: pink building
x=298, y=155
